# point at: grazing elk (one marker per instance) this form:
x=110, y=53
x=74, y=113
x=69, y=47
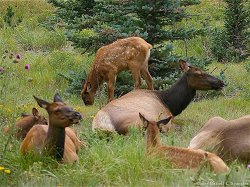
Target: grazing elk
x=120, y=114
x=130, y=53
x=54, y=139
x=179, y=157
x=230, y=139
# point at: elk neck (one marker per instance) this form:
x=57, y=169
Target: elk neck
x=94, y=79
x=55, y=141
x=178, y=97
x=152, y=138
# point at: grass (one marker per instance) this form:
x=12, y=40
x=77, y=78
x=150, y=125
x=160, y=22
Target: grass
x=122, y=160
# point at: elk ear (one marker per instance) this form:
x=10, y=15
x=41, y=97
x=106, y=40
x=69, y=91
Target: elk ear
x=57, y=98
x=184, y=65
x=144, y=121
x=88, y=86
x=84, y=86
x=163, y=122
x=35, y=112
x=41, y=102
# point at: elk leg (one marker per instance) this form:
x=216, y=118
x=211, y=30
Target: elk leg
x=136, y=76
x=111, y=85
x=147, y=77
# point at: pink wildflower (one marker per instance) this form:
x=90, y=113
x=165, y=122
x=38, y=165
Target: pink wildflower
x=18, y=56
x=27, y=66
x=1, y=70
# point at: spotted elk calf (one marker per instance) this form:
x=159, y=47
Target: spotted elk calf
x=130, y=53
x=179, y=157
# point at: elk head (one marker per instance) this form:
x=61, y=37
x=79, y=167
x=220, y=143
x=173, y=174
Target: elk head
x=200, y=80
x=154, y=125
x=87, y=93
x=60, y=114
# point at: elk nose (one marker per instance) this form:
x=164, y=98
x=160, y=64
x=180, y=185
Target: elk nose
x=78, y=115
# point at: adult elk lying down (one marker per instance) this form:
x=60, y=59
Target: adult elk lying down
x=230, y=139
x=120, y=114
x=26, y=122
x=55, y=139
x=179, y=157
x=129, y=53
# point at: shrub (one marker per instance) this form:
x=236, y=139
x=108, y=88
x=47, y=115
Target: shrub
x=74, y=79
x=230, y=43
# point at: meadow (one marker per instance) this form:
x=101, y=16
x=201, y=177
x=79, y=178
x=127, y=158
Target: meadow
x=43, y=56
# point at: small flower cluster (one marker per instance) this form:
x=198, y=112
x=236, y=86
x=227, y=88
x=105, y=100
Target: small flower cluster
x=7, y=171
x=14, y=59
x=11, y=56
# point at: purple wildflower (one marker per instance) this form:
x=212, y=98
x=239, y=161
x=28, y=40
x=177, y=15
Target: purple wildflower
x=27, y=66
x=18, y=56
x=1, y=70
x=248, y=166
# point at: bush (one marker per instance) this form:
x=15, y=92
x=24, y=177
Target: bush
x=247, y=66
x=75, y=79
x=230, y=43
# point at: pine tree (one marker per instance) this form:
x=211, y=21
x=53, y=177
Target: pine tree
x=230, y=42
x=235, y=27
x=92, y=24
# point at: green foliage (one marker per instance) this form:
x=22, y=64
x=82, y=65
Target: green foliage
x=9, y=17
x=92, y=24
x=74, y=79
x=230, y=43
x=247, y=66
x=121, y=161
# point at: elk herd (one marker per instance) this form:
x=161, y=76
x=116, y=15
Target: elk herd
x=218, y=142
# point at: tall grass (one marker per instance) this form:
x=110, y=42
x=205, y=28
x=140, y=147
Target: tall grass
x=121, y=161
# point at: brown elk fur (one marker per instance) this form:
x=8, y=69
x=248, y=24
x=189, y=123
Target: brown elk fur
x=179, y=157
x=120, y=114
x=230, y=139
x=55, y=139
x=130, y=53
x=24, y=124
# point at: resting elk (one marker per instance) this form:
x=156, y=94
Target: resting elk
x=179, y=157
x=120, y=114
x=55, y=139
x=24, y=124
x=230, y=139
x=130, y=53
